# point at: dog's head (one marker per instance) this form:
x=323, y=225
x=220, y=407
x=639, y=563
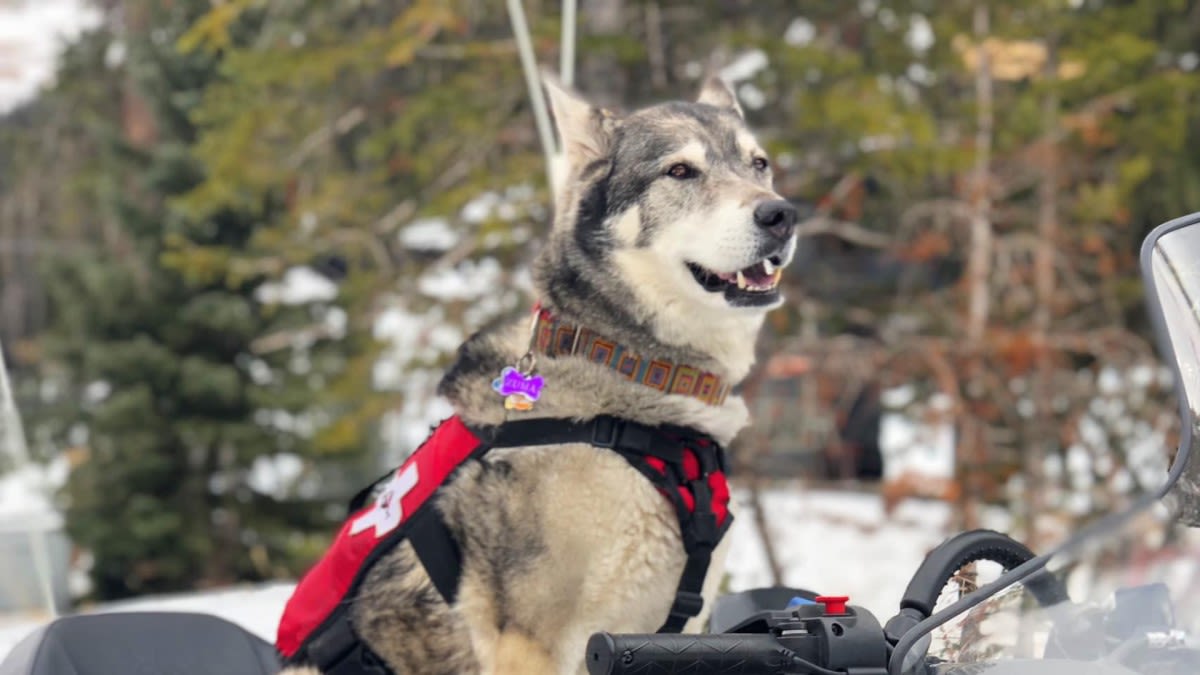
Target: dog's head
x=674, y=204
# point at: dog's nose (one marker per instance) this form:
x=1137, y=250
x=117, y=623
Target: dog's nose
x=777, y=216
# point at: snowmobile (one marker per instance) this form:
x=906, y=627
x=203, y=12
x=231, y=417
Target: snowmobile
x=1120, y=597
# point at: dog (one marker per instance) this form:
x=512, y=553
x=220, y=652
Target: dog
x=669, y=239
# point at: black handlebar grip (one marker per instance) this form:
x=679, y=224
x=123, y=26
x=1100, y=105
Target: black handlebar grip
x=760, y=654
x=942, y=562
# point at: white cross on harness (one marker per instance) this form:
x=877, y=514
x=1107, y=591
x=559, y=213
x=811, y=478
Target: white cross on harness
x=388, y=513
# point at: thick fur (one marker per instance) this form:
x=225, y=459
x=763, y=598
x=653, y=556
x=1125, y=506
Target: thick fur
x=559, y=542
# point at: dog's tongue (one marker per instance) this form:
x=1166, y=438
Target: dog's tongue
x=757, y=275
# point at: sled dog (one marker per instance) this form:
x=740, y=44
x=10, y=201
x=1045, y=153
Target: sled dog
x=663, y=259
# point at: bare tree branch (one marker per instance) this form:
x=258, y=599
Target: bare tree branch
x=343, y=125
x=851, y=232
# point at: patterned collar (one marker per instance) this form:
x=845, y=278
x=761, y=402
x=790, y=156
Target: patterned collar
x=554, y=337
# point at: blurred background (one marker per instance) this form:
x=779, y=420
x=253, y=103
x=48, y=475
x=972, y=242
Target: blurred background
x=239, y=240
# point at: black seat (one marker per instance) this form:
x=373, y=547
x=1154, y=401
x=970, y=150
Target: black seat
x=141, y=643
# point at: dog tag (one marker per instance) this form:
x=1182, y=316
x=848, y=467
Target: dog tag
x=520, y=390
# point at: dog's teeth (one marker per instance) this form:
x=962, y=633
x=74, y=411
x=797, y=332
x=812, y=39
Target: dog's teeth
x=775, y=276
x=741, y=279
x=768, y=267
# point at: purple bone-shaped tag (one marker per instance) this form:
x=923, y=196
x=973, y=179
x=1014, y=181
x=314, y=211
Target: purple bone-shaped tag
x=513, y=381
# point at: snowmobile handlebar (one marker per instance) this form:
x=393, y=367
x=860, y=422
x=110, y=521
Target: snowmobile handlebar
x=807, y=640
x=835, y=640
x=618, y=654
x=824, y=636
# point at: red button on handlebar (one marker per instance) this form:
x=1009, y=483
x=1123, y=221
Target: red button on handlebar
x=834, y=604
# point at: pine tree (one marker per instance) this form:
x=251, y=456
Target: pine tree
x=185, y=412
x=50, y=151
x=363, y=121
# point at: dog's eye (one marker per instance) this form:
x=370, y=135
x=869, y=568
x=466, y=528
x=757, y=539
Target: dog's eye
x=681, y=171
x=760, y=163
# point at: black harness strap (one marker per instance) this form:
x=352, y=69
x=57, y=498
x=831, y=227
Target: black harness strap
x=337, y=650
x=437, y=551
x=635, y=442
x=700, y=530
x=602, y=432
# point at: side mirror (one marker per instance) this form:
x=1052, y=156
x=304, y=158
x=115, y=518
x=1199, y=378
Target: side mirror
x=1171, y=270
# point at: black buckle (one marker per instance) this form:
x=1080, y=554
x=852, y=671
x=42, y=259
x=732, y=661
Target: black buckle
x=702, y=527
x=701, y=532
x=687, y=604
x=605, y=432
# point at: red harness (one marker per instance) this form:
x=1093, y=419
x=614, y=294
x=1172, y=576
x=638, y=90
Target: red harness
x=686, y=467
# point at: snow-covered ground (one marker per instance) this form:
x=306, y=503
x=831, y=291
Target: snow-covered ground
x=836, y=543
x=257, y=608
x=831, y=542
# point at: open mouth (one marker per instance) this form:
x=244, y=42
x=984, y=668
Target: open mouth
x=754, y=285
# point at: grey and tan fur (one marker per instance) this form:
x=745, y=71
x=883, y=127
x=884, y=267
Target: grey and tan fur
x=562, y=541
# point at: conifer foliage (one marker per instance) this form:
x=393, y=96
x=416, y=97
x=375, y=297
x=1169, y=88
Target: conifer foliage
x=197, y=388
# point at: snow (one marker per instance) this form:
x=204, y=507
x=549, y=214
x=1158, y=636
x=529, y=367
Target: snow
x=299, y=286
x=800, y=32
x=918, y=73
x=480, y=208
x=751, y=96
x=467, y=281
x=429, y=234
x=32, y=34
x=517, y=200
x=25, y=496
x=406, y=429
x=255, y=608
x=96, y=392
x=916, y=438
x=416, y=342
x=836, y=543
x=919, y=36
x=275, y=474
x=745, y=66
x=114, y=56
x=412, y=338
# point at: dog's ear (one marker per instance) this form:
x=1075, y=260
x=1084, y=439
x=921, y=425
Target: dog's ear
x=584, y=129
x=718, y=94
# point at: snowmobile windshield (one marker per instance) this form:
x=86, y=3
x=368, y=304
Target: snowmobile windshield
x=1125, y=603
x=1123, y=595
x=1173, y=260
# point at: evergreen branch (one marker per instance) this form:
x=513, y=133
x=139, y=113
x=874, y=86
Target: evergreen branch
x=274, y=342
x=466, y=52
x=343, y=125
